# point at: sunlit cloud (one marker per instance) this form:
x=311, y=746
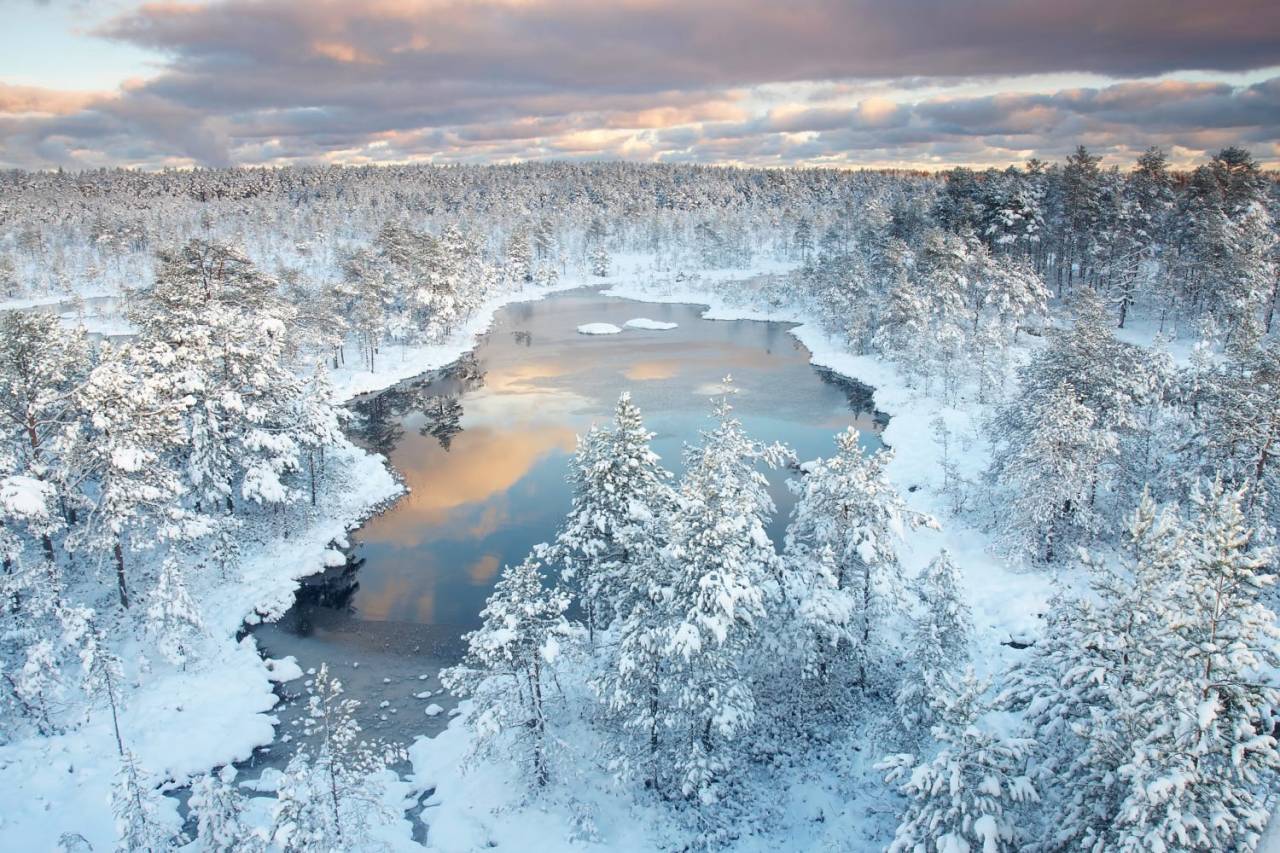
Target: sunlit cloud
x=817, y=82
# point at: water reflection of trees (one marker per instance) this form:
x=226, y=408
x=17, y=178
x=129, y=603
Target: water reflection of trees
x=861, y=397
x=436, y=397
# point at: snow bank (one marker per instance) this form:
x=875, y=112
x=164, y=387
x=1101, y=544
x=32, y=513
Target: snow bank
x=646, y=323
x=598, y=329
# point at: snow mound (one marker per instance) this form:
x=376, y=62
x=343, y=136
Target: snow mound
x=434, y=710
x=598, y=329
x=283, y=669
x=646, y=323
x=269, y=782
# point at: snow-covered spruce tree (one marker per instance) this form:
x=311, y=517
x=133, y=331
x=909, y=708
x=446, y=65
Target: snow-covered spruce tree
x=965, y=796
x=142, y=825
x=845, y=589
x=505, y=670
x=332, y=795
x=725, y=569
x=620, y=493
x=218, y=808
x=1052, y=471
x=938, y=644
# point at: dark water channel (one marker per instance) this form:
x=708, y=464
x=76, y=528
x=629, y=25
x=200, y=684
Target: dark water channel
x=483, y=446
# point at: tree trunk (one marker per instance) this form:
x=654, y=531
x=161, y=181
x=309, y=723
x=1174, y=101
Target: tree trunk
x=311, y=463
x=538, y=724
x=124, y=592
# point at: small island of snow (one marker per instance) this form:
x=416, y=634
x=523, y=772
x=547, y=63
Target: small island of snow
x=598, y=329
x=646, y=323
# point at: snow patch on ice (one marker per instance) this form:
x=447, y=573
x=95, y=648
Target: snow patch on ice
x=598, y=329
x=646, y=323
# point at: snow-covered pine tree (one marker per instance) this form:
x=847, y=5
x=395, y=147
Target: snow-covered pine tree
x=1053, y=467
x=620, y=494
x=1084, y=684
x=725, y=570
x=518, y=263
x=218, y=808
x=41, y=365
x=332, y=796
x=120, y=456
x=844, y=581
x=939, y=641
x=317, y=423
x=505, y=670
x=173, y=618
x=1201, y=770
x=1116, y=381
x=599, y=259
x=143, y=818
x=964, y=797
x=1151, y=705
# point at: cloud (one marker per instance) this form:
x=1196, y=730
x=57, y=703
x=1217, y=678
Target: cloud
x=247, y=81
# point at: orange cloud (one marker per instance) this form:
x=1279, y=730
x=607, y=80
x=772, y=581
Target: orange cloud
x=646, y=371
x=35, y=99
x=340, y=52
x=481, y=463
x=483, y=570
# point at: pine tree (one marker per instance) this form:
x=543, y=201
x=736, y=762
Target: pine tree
x=173, y=618
x=142, y=826
x=725, y=569
x=505, y=670
x=332, y=794
x=844, y=577
x=939, y=641
x=218, y=809
x=41, y=365
x=1199, y=773
x=599, y=259
x=1155, y=725
x=1053, y=472
x=122, y=447
x=620, y=493
x=964, y=797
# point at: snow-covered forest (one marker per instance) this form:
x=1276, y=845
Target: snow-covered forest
x=1042, y=618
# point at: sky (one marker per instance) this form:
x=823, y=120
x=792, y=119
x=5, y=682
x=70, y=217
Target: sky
x=846, y=83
